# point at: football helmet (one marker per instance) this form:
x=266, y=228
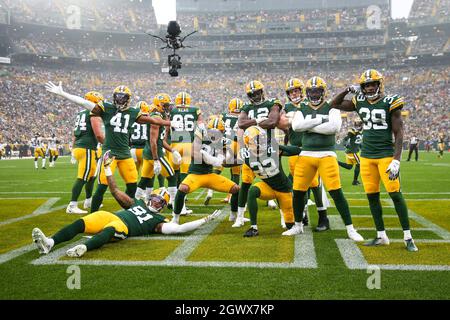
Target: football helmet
x=316, y=90
x=371, y=76
x=183, y=99
x=122, y=97
x=158, y=200
x=143, y=106
x=255, y=92
x=358, y=124
x=292, y=84
x=94, y=96
x=235, y=105
x=255, y=139
x=216, y=122
x=162, y=102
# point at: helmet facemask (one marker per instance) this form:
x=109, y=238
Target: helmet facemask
x=374, y=94
x=295, y=95
x=315, y=95
x=121, y=100
x=156, y=203
x=256, y=97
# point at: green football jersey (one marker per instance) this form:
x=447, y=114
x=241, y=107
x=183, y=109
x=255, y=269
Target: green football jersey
x=159, y=142
x=260, y=111
x=231, y=125
x=312, y=141
x=352, y=141
x=139, y=135
x=269, y=167
x=377, y=139
x=118, y=128
x=212, y=148
x=295, y=138
x=184, y=121
x=139, y=219
x=84, y=135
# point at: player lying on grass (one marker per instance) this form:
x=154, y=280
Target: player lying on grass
x=137, y=219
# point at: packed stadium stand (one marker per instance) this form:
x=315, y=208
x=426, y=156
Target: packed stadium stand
x=87, y=48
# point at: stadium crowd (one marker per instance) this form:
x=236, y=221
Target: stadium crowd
x=425, y=91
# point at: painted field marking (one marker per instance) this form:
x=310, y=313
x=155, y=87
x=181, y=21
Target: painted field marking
x=42, y=209
x=354, y=258
x=17, y=252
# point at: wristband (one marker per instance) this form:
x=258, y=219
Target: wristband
x=108, y=172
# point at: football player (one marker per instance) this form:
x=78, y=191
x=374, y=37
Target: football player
x=294, y=90
x=207, y=153
x=441, y=145
x=137, y=218
x=264, y=113
x=352, y=143
x=380, y=160
x=86, y=134
x=52, y=150
x=139, y=136
x=262, y=156
x=39, y=150
x=155, y=161
x=319, y=124
x=118, y=119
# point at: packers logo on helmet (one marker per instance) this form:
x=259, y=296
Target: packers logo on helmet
x=235, y=105
x=371, y=76
x=122, y=97
x=143, y=106
x=255, y=139
x=292, y=84
x=316, y=90
x=158, y=200
x=94, y=96
x=183, y=99
x=216, y=123
x=255, y=92
x=162, y=102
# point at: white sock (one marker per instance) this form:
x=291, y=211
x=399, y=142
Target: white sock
x=240, y=212
x=43, y=163
x=299, y=224
x=172, y=193
x=254, y=226
x=350, y=228
x=88, y=200
x=407, y=234
x=210, y=193
x=139, y=193
x=73, y=204
x=381, y=234
x=148, y=192
x=176, y=217
x=35, y=164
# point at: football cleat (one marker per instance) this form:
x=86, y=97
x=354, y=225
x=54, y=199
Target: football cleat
x=75, y=210
x=323, y=225
x=41, y=241
x=305, y=219
x=354, y=235
x=356, y=183
x=87, y=203
x=296, y=229
x=251, y=233
x=232, y=216
x=207, y=199
x=410, y=245
x=186, y=211
x=239, y=222
x=272, y=204
x=377, y=242
x=77, y=251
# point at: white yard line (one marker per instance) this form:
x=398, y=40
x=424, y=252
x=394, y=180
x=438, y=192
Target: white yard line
x=42, y=209
x=17, y=252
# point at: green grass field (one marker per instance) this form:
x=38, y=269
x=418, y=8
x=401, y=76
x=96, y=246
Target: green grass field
x=216, y=262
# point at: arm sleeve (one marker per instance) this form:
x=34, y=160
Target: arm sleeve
x=300, y=124
x=332, y=126
x=289, y=150
x=173, y=228
x=79, y=100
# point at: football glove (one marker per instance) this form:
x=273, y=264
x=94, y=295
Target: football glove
x=393, y=169
x=53, y=88
x=156, y=167
x=354, y=89
x=214, y=161
x=176, y=157
x=73, y=160
x=213, y=215
x=108, y=158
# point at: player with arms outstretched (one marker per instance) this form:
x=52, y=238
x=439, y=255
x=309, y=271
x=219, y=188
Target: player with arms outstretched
x=380, y=156
x=352, y=143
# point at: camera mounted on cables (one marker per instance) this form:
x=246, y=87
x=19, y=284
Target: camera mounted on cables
x=173, y=41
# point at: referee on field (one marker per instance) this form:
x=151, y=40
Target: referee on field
x=413, y=146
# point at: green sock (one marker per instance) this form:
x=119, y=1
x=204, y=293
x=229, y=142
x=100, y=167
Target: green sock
x=345, y=165
x=177, y=177
x=341, y=205
x=400, y=208
x=100, y=238
x=356, y=172
x=161, y=180
x=317, y=191
x=144, y=183
x=290, y=177
x=76, y=189
x=299, y=201
x=182, y=176
x=252, y=203
x=69, y=232
x=235, y=178
x=376, y=210
x=243, y=193
x=97, y=199
x=131, y=189
x=89, y=187
x=172, y=181
x=179, y=202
